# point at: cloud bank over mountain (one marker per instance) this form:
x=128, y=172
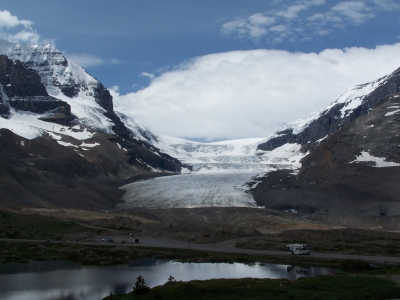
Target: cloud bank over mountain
x=242, y=94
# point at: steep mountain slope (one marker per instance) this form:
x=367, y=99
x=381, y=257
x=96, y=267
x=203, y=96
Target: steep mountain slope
x=309, y=131
x=352, y=177
x=72, y=115
x=88, y=104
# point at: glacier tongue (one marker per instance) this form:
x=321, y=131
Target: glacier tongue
x=222, y=174
x=196, y=190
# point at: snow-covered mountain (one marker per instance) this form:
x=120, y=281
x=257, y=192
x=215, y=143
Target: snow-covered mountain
x=351, y=179
x=89, y=104
x=312, y=129
x=62, y=142
x=66, y=81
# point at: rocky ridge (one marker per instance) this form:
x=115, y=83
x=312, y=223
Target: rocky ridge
x=21, y=88
x=356, y=102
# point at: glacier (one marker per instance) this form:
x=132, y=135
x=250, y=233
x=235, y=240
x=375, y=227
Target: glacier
x=222, y=174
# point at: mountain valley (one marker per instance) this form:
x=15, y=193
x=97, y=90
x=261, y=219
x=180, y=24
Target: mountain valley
x=63, y=145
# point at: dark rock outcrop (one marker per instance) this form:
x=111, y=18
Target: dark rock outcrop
x=25, y=91
x=4, y=108
x=147, y=156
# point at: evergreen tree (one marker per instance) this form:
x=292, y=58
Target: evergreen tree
x=140, y=286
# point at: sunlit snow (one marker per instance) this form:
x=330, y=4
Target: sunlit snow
x=67, y=144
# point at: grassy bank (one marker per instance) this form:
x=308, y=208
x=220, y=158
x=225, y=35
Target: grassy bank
x=347, y=241
x=321, y=287
x=34, y=226
x=119, y=254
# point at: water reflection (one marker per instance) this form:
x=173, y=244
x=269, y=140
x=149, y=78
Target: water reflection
x=37, y=266
x=67, y=281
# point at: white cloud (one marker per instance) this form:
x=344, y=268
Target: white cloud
x=245, y=94
x=115, y=61
x=86, y=60
x=262, y=24
x=356, y=12
x=278, y=28
x=388, y=5
x=115, y=88
x=145, y=74
x=260, y=19
x=7, y=20
x=18, y=31
x=255, y=26
x=302, y=20
x=89, y=60
x=292, y=11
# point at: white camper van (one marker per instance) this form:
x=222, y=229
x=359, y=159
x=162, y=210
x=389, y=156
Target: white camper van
x=297, y=249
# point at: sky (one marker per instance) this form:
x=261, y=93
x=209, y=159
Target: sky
x=216, y=70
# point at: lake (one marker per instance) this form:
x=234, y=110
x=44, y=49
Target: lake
x=59, y=280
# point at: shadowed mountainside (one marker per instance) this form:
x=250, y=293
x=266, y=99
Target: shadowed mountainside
x=351, y=178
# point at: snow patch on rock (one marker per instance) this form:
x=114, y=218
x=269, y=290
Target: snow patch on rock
x=391, y=113
x=380, y=162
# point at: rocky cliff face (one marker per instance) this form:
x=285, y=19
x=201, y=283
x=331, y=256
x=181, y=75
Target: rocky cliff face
x=69, y=82
x=354, y=103
x=22, y=89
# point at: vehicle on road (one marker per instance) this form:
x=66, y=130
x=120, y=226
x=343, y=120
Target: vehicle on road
x=107, y=240
x=298, y=249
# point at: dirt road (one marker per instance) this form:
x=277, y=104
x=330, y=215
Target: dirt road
x=225, y=246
